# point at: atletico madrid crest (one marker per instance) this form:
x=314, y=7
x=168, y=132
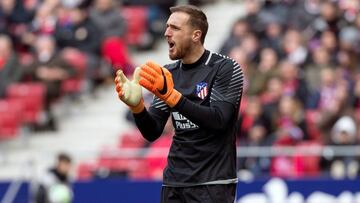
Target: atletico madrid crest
x=202, y=90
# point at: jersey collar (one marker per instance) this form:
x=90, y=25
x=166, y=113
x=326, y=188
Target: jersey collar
x=201, y=60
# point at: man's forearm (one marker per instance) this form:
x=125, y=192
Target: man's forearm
x=213, y=117
x=150, y=128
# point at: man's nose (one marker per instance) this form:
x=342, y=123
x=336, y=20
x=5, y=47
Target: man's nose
x=167, y=32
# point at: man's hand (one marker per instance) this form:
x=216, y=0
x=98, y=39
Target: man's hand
x=130, y=91
x=158, y=80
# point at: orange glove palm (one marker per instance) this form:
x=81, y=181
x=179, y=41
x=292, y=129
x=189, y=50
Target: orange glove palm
x=158, y=80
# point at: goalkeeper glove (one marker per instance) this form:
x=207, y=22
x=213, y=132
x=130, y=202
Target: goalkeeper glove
x=130, y=91
x=158, y=80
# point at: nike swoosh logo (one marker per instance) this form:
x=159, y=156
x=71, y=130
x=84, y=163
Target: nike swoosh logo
x=164, y=89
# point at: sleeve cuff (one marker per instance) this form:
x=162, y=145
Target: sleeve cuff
x=180, y=104
x=140, y=114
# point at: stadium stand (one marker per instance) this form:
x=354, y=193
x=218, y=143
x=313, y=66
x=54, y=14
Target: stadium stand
x=31, y=96
x=10, y=118
x=302, y=77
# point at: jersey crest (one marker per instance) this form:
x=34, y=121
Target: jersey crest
x=202, y=90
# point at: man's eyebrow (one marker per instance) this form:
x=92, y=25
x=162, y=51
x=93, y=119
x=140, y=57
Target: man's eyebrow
x=172, y=25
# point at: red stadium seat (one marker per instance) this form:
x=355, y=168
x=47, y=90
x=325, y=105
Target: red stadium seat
x=136, y=18
x=108, y=159
x=134, y=167
x=313, y=131
x=156, y=157
x=10, y=121
x=309, y=164
x=357, y=115
x=300, y=164
x=283, y=165
x=131, y=139
x=78, y=60
x=139, y=169
x=25, y=59
x=113, y=163
x=85, y=171
x=31, y=96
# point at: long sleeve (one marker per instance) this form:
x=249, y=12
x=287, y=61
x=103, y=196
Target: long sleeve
x=224, y=100
x=214, y=117
x=203, y=148
x=151, y=123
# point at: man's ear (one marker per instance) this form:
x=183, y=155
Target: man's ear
x=196, y=35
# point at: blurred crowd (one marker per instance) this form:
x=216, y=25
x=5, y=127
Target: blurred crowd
x=56, y=49
x=65, y=47
x=300, y=59
x=302, y=83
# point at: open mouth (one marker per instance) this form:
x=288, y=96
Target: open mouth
x=171, y=45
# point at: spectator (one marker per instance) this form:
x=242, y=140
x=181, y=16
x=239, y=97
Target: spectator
x=332, y=100
x=273, y=91
x=343, y=133
x=293, y=81
x=356, y=94
x=251, y=46
x=266, y=69
x=10, y=70
x=6, y=7
x=273, y=36
x=290, y=131
x=254, y=15
x=328, y=19
x=303, y=13
x=347, y=65
x=252, y=114
x=357, y=20
x=108, y=19
x=75, y=30
x=19, y=14
x=258, y=166
x=330, y=43
x=55, y=185
x=324, y=97
x=349, y=8
x=326, y=82
x=43, y=23
x=239, y=55
x=290, y=120
x=271, y=97
x=238, y=31
x=356, y=102
x=320, y=59
x=293, y=47
x=349, y=38
x=22, y=12
x=50, y=69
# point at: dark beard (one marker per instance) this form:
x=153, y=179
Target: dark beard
x=181, y=54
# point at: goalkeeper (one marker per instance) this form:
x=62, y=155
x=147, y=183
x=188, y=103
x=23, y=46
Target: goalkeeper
x=201, y=91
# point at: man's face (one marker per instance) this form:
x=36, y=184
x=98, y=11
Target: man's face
x=178, y=35
x=64, y=167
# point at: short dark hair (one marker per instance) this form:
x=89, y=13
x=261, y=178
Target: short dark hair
x=63, y=157
x=197, y=19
